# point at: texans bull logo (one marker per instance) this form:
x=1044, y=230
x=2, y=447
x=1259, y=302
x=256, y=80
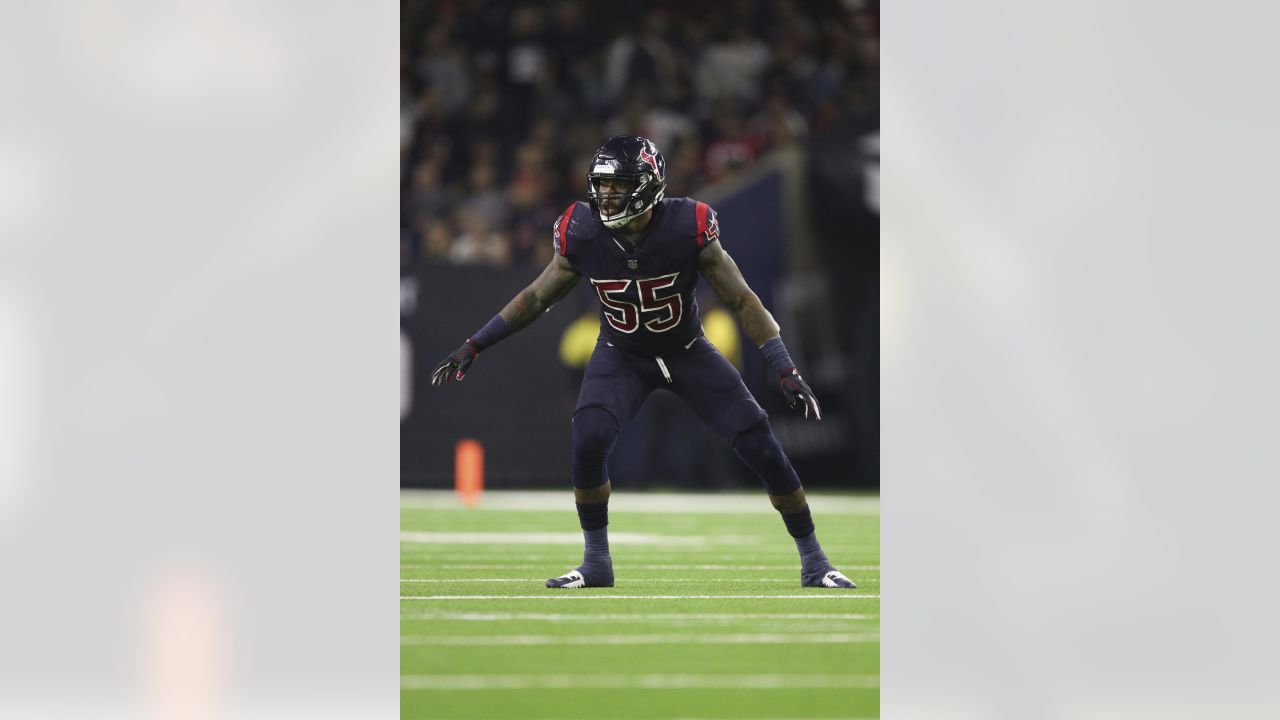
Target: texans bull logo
x=649, y=158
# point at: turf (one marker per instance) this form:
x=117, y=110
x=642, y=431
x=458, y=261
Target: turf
x=707, y=620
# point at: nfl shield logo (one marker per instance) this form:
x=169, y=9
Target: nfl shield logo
x=631, y=264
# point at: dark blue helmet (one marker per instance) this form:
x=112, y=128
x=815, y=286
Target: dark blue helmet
x=636, y=162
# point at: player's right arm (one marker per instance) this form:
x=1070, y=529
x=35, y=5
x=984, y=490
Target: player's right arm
x=550, y=287
x=555, y=281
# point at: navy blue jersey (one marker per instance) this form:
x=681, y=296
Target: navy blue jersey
x=647, y=305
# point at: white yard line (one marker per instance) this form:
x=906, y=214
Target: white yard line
x=628, y=617
x=692, y=682
x=788, y=566
x=545, y=538
x=669, y=503
x=646, y=639
x=627, y=580
x=523, y=566
x=718, y=548
x=580, y=595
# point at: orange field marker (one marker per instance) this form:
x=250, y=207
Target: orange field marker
x=468, y=471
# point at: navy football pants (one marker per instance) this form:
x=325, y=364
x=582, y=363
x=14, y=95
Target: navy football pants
x=617, y=382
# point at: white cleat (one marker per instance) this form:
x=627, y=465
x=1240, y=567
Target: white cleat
x=572, y=579
x=836, y=579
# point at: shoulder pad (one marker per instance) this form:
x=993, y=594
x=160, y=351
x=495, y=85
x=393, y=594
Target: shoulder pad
x=576, y=223
x=698, y=219
x=682, y=209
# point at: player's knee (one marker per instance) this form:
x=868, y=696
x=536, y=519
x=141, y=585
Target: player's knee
x=758, y=445
x=760, y=450
x=594, y=433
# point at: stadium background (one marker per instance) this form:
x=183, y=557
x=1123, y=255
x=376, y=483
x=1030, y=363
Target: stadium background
x=769, y=111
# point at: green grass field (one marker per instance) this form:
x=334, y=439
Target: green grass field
x=708, y=619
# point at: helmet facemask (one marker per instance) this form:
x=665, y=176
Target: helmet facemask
x=645, y=192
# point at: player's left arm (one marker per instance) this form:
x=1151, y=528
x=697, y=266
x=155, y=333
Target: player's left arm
x=726, y=279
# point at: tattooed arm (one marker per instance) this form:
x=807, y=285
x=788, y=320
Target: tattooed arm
x=722, y=273
x=724, y=277
x=556, y=280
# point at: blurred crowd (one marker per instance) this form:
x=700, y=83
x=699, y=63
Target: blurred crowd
x=502, y=104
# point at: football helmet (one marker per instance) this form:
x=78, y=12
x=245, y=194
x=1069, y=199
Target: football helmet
x=640, y=175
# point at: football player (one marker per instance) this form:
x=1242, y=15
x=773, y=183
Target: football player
x=642, y=254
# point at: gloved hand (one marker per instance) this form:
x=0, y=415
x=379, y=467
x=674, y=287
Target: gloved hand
x=797, y=391
x=456, y=365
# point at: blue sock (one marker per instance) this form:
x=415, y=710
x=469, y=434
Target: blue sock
x=597, y=565
x=596, y=546
x=812, y=559
x=800, y=526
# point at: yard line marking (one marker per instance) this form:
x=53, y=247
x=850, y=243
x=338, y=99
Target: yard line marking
x=627, y=617
x=545, y=538
x=571, y=594
x=684, y=682
x=628, y=580
x=759, y=553
x=761, y=550
x=740, y=567
x=523, y=566
x=749, y=503
x=761, y=544
x=639, y=639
